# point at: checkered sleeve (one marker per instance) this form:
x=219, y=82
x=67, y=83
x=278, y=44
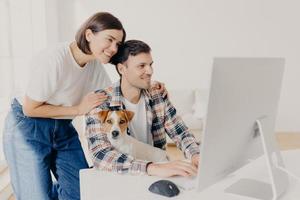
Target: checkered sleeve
x=104, y=155
x=178, y=131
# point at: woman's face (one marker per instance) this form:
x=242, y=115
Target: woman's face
x=104, y=44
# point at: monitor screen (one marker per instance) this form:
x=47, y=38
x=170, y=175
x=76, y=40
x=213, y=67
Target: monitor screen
x=242, y=91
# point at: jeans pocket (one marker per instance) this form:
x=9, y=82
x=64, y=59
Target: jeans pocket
x=14, y=120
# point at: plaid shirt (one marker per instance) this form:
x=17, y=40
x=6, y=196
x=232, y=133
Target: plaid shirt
x=161, y=119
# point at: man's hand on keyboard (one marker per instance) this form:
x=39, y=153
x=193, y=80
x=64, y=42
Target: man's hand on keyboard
x=173, y=168
x=195, y=160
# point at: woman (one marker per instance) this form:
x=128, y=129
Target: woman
x=39, y=136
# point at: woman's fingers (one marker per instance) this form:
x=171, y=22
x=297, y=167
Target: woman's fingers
x=98, y=102
x=97, y=97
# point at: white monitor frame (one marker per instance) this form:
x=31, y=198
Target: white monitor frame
x=241, y=114
x=278, y=179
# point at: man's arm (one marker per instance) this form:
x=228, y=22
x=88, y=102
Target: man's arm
x=178, y=131
x=104, y=155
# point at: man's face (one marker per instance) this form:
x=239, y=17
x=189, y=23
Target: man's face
x=137, y=70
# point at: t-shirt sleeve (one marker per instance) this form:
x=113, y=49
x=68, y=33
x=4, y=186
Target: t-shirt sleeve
x=104, y=80
x=101, y=79
x=43, y=79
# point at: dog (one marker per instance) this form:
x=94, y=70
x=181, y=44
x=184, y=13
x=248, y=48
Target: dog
x=115, y=124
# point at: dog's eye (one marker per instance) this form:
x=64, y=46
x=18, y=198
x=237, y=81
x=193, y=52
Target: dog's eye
x=122, y=121
x=109, y=121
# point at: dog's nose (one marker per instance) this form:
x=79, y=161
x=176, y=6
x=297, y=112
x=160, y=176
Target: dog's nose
x=115, y=133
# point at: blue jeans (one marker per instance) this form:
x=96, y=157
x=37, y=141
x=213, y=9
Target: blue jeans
x=35, y=146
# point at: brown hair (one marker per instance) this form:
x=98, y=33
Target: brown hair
x=129, y=48
x=96, y=23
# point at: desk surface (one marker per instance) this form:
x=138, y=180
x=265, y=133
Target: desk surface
x=104, y=185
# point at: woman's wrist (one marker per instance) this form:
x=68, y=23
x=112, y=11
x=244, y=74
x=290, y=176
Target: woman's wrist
x=76, y=110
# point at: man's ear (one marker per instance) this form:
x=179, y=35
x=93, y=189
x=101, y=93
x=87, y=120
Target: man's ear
x=120, y=67
x=103, y=115
x=129, y=115
x=88, y=34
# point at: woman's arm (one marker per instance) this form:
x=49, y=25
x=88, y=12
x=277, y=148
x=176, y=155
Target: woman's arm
x=160, y=87
x=32, y=108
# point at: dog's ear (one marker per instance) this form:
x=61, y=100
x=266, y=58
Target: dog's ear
x=102, y=115
x=129, y=115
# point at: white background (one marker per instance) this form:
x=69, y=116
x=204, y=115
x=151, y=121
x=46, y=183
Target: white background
x=184, y=35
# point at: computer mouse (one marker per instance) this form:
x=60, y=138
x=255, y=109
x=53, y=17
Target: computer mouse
x=165, y=188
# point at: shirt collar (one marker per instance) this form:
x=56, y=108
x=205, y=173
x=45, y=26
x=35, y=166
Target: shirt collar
x=117, y=96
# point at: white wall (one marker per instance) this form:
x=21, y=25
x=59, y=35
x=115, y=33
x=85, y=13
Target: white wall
x=186, y=34
x=22, y=35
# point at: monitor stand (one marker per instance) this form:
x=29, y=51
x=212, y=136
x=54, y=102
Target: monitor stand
x=279, y=180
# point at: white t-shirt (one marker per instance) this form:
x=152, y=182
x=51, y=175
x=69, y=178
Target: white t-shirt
x=138, y=126
x=57, y=79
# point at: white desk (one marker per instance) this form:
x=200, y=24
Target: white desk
x=97, y=185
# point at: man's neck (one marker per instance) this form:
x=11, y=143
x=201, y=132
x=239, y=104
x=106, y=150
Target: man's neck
x=132, y=94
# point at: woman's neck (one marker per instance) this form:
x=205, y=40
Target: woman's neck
x=80, y=57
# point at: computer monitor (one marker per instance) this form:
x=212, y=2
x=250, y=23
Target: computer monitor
x=241, y=113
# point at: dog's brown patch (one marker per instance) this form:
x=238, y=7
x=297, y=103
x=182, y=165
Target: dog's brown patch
x=102, y=115
x=107, y=120
x=125, y=117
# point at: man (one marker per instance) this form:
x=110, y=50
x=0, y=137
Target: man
x=154, y=117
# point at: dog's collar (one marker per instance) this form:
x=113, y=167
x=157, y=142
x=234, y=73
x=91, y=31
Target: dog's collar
x=115, y=108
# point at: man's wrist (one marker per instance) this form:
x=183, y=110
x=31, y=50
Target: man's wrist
x=195, y=154
x=148, y=167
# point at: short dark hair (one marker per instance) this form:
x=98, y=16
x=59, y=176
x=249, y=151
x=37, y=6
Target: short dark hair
x=98, y=22
x=130, y=47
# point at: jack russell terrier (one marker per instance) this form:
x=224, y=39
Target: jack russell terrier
x=115, y=124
